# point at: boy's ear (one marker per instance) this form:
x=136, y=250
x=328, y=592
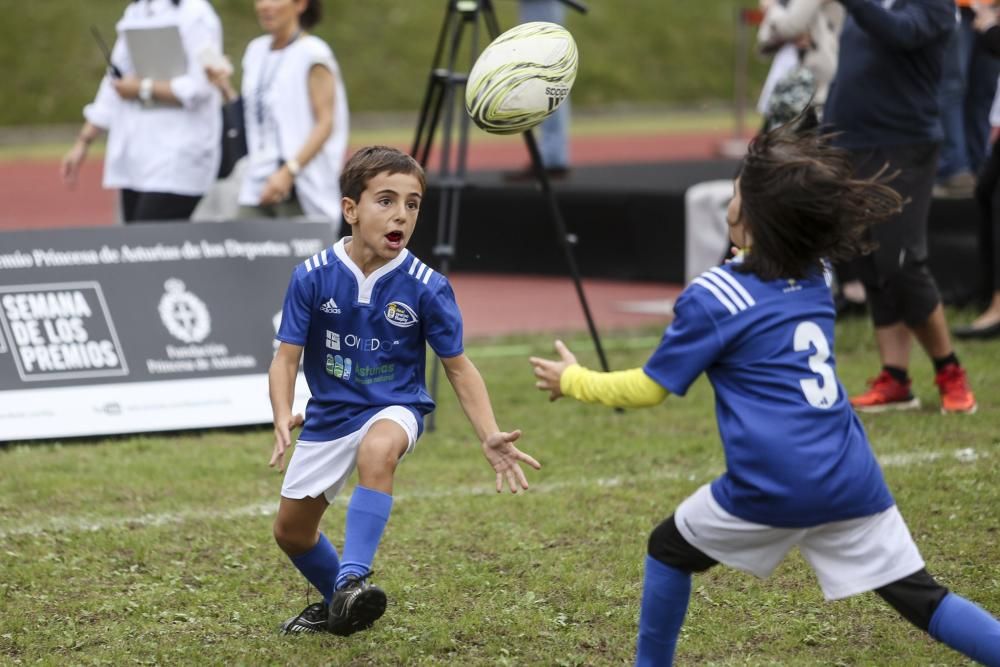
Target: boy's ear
x=349, y=208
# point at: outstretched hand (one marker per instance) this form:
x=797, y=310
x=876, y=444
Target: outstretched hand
x=549, y=372
x=506, y=460
x=283, y=439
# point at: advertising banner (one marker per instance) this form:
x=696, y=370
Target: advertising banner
x=144, y=327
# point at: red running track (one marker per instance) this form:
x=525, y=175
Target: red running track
x=34, y=197
x=493, y=305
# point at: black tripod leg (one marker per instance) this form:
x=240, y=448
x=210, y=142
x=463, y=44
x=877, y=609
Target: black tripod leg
x=426, y=124
x=443, y=251
x=564, y=241
x=425, y=134
x=490, y=18
x=452, y=181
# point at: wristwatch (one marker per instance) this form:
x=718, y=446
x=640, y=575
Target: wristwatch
x=294, y=167
x=146, y=91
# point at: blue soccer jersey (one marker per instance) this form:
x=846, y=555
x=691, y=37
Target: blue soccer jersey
x=796, y=454
x=365, y=337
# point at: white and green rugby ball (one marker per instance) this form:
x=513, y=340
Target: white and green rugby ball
x=523, y=76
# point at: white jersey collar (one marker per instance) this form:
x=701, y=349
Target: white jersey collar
x=366, y=285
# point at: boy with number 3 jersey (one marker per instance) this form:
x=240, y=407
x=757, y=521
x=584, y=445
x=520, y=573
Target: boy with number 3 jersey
x=799, y=468
x=359, y=315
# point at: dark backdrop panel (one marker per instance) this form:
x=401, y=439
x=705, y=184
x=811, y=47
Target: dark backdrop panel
x=618, y=235
x=628, y=222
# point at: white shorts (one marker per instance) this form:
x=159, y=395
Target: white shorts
x=323, y=467
x=848, y=557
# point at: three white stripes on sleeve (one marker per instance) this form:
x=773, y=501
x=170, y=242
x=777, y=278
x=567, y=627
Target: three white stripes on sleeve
x=725, y=289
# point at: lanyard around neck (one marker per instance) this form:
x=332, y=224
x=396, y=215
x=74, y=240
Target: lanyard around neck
x=266, y=80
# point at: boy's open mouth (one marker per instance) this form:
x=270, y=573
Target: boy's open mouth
x=394, y=237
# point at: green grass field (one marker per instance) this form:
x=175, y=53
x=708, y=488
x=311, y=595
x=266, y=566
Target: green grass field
x=157, y=550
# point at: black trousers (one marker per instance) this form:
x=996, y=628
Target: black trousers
x=157, y=206
x=900, y=286
x=988, y=198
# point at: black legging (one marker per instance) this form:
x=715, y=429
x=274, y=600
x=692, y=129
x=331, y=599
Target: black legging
x=988, y=198
x=157, y=206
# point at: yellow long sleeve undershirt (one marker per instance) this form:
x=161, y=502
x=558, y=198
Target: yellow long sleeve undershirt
x=617, y=389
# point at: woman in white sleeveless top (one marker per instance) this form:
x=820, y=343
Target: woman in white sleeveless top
x=295, y=107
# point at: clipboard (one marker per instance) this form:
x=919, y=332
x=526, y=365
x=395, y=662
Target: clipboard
x=157, y=53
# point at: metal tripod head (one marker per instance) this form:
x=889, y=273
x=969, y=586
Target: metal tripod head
x=445, y=92
x=461, y=16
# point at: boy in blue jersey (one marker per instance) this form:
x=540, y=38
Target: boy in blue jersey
x=799, y=468
x=359, y=316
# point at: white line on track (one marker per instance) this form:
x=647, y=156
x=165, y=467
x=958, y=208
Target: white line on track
x=80, y=524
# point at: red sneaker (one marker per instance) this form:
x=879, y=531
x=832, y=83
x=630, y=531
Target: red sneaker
x=956, y=396
x=886, y=393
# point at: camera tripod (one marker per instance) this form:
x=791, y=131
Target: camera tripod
x=438, y=108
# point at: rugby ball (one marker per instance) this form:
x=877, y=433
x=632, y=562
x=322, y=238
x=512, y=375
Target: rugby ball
x=521, y=77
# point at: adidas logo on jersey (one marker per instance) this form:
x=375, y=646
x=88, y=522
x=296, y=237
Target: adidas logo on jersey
x=330, y=307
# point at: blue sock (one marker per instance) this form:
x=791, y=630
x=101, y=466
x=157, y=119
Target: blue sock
x=320, y=566
x=967, y=628
x=665, y=594
x=367, y=514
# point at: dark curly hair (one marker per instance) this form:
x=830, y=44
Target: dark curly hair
x=801, y=203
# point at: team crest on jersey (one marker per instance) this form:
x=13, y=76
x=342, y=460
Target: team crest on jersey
x=400, y=315
x=330, y=307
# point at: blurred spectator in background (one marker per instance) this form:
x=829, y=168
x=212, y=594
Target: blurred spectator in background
x=163, y=134
x=987, y=325
x=967, y=87
x=884, y=105
x=806, y=34
x=803, y=38
x=553, y=133
x=295, y=107
x=809, y=30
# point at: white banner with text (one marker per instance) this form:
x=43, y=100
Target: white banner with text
x=143, y=328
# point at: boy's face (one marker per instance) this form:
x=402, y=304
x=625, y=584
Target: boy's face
x=383, y=220
x=734, y=218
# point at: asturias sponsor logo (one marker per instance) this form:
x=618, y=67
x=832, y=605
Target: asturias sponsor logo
x=399, y=314
x=375, y=374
